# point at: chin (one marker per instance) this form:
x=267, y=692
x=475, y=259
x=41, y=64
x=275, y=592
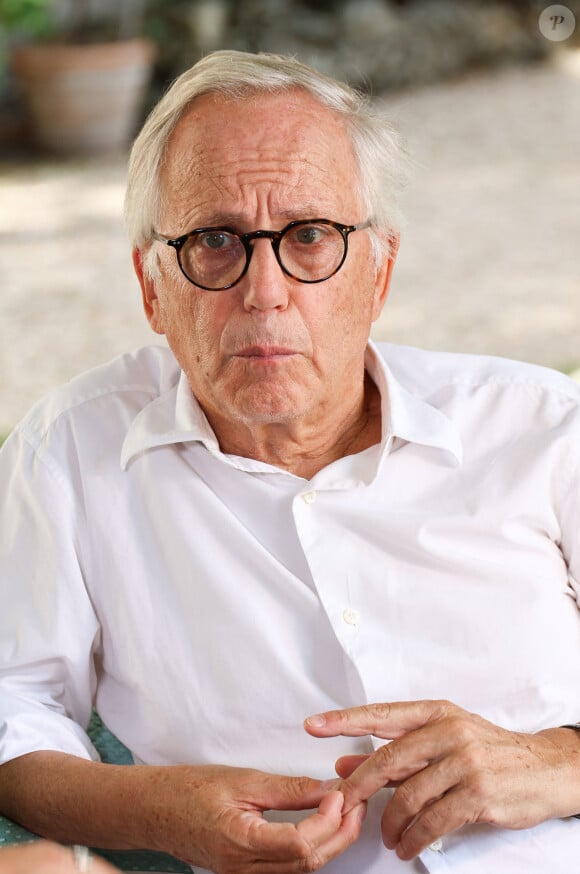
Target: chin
x=260, y=407
x=267, y=416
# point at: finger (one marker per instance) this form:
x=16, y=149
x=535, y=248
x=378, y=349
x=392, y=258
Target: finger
x=435, y=821
x=347, y=834
x=347, y=764
x=287, y=840
x=388, y=765
x=311, y=843
x=396, y=762
x=316, y=857
x=325, y=822
x=290, y=793
x=371, y=776
x=387, y=721
x=413, y=796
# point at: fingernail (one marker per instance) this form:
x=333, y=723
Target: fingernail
x=329, y=785
x=316, y=721
x=361, y=813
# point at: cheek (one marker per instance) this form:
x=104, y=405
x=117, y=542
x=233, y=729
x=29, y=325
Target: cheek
x=193, y=320
x=352, y=303
x=335, y=326
x=195, y=323
x=176, y=308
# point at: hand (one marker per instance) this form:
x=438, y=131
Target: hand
x=43, y=857
x=450, y=768
x=207, y=815
x=213, y=816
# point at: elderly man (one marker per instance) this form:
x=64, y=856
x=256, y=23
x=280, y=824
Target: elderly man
x=276, y=546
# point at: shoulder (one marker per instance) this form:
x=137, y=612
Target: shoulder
x=112, y=393
x=425, y=373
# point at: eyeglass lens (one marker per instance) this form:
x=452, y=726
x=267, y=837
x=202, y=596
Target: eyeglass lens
x=309, y=251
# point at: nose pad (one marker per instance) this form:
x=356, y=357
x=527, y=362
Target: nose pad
x=265, y=282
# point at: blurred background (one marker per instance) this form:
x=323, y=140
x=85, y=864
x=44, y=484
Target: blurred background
x=487, y=95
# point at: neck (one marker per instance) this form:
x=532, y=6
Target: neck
x=304, y=448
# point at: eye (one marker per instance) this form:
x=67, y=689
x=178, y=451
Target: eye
x=308, y=234
x=216, y=240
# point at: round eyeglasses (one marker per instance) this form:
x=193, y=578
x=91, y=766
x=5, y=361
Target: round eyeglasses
x=216, y=258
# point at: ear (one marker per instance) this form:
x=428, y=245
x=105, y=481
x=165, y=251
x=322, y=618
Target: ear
x=384, y=275
x=148, y=293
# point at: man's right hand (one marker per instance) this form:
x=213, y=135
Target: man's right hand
x=213, y=816
x=208, y=815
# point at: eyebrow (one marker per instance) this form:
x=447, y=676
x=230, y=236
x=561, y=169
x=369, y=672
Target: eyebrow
x=287, y=215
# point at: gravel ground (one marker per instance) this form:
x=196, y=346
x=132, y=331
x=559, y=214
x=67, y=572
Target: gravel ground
x=489, y=260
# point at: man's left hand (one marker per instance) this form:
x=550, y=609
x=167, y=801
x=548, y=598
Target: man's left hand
x=450, y=768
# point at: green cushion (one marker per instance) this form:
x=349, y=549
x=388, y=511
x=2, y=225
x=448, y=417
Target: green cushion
x=110, y=749
x=112, y=752
x=10, y=833
x=144, y=860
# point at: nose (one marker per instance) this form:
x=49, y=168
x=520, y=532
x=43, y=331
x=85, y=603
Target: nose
x=265, y=285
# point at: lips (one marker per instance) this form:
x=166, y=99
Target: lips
x=264, y=352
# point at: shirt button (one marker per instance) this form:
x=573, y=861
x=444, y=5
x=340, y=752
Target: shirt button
x=309, y=497
x=350, y=616
x=436, y=846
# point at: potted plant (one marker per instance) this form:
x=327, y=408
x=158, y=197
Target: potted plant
x=82, y=68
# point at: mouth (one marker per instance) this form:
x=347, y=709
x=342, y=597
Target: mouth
x=265, y=353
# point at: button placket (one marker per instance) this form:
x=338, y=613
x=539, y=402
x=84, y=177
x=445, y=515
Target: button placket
x=326, y=567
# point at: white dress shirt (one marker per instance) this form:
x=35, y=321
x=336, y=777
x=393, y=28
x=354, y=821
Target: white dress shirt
x=207, y=603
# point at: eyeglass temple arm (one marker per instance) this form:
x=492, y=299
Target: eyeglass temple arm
x=176, y=243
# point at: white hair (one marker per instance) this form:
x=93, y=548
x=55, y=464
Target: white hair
x=381, y=159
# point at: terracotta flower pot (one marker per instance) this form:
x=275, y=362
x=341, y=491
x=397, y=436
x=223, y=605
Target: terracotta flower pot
x=84, y=98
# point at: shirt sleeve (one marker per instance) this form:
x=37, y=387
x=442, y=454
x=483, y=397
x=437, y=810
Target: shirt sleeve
x=478, y=849
x=48, y=628
x=569, y=507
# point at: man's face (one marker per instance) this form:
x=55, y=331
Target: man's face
x=270, y=349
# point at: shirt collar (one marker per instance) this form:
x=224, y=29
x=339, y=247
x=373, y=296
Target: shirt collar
x=176, y=417
x=173, y=417
x=408, y=416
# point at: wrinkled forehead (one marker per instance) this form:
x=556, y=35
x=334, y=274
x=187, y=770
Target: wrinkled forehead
x=288, y=139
